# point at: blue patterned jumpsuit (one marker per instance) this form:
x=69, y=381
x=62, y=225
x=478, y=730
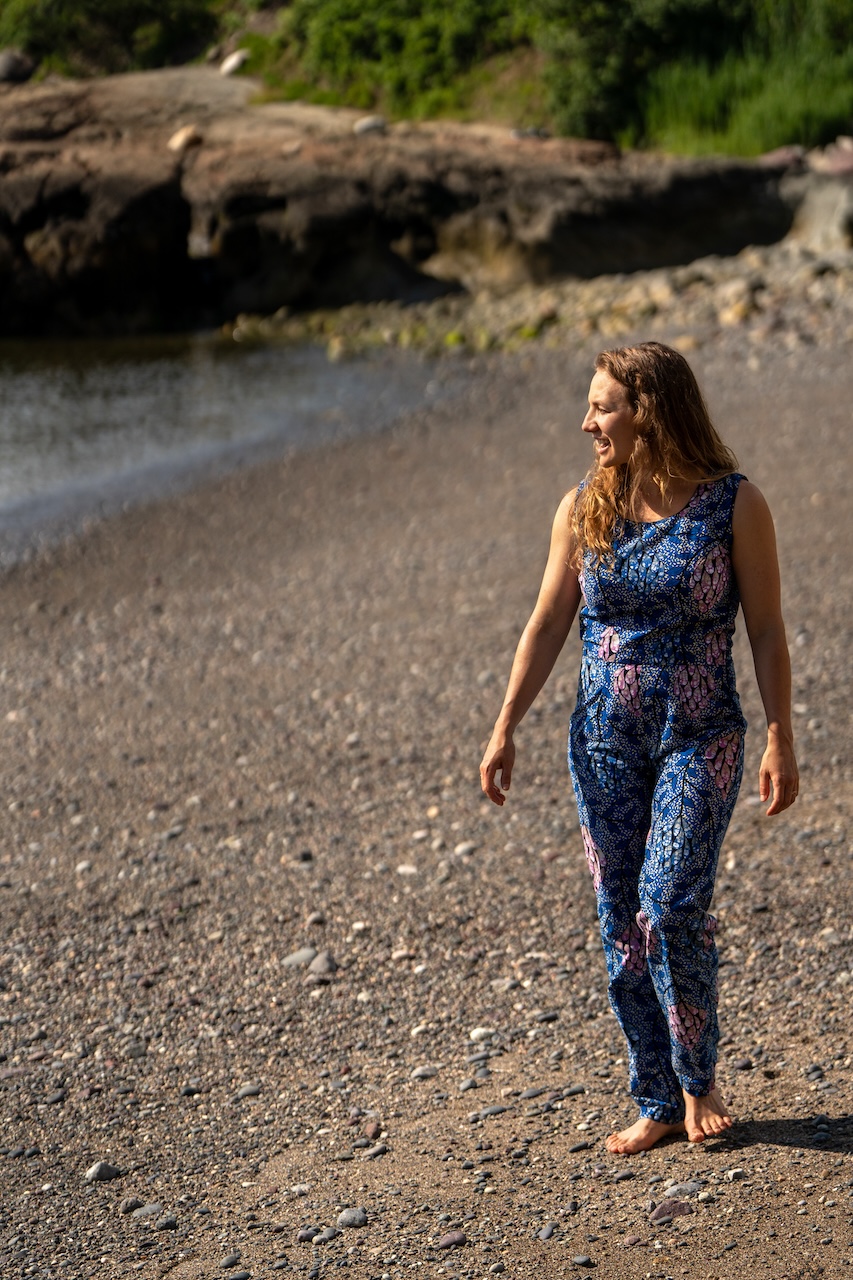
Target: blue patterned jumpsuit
x=656, y=757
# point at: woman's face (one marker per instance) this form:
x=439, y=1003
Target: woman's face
x=610, y=421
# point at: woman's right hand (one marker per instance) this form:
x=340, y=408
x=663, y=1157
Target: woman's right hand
x=499, y=757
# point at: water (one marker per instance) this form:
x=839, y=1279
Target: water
x=87, y=427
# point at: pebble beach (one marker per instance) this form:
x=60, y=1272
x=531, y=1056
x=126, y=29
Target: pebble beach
x=280, y=992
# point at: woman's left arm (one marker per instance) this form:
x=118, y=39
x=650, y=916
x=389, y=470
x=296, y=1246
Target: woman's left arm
x=756, y=569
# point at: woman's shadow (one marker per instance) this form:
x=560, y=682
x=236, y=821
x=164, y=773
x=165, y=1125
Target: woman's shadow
x=806, y=1133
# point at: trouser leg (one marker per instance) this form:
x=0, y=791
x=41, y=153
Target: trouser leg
x=614, y=804
x=693, y=800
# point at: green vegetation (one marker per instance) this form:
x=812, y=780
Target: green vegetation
x=740, y=76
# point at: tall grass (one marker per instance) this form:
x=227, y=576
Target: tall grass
x=750, y=103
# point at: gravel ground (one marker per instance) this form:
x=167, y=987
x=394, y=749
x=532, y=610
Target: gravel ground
x=273, y=968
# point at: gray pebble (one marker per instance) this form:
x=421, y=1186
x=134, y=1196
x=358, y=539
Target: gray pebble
x=241, y=1275
x=632, y=1240
x=581, y=1260
x=129, y=1204
x=327, y=1235
x=100, y=1171
x=249, y=1091
x=306, y=1234
x=547, y=1231
x=532, y=1093
x=492, y=1111
x=230, y=1260
x=689, y=1188
x=353, y=1218
x=624, y=1176
x=578, y=1146
x=574, y=1091
x=496, y=1268
x=167, y=1223
x=323, y=964
x=742, y=1064
x=424, y=1073
x=148, y=1211
x=59, y=1096
x=465, y=1085
x=299, y=959
x=379, y=1150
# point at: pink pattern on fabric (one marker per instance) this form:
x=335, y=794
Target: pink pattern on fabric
x=632, y=945
x=687, y=1023
x=710, y=578
x=608, y=645
x=595, y=859
x=644, y=924
x=694, y=686
x=627, y=687
x=716, y=648
x=721, y=758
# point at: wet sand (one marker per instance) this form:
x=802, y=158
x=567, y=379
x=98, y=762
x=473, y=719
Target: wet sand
x=247, y=721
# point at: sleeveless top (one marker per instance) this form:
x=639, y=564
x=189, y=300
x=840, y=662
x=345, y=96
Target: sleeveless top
x=657, y=623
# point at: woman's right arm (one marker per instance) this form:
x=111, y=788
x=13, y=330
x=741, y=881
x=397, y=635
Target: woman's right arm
x=538, y=650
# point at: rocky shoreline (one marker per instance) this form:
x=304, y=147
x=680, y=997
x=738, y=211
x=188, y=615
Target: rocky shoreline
x=274, y=970
x=166, y=199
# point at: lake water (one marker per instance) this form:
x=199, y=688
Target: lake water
x=87, y=427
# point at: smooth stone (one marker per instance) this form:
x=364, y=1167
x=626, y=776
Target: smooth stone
x=353, y=1218
x=631, y=1240
x=451, y=1239
x=526, y=1094
x=669, y=1209
x=496, y=1269
x=369, y=124
x=479, y=1034
x=59, y=1096
x=735, y=1175
x=299, y=959
x=579, y=1146
x=167, y=1223
x=189, y=1091
x=495, y=1110
x=100, y=1171
x=465, y=1085
x=373, y=1153
x=326, y=1236
x=574, y=1091
x=148, y=1211
x=424, y=1073
x=742, y=1064
x=324, y=964
x=230, y=1261
x=306, y=1234
x=249, y=1091
x=241, y=1275
x=624, y=1176
x=129, y=1204
x=690, y=1188
x=547, y=1231
x=581, y=1260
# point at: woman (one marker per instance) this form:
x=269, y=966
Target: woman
x=662, y=542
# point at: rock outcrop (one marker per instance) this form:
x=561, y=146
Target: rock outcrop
x=111, y=220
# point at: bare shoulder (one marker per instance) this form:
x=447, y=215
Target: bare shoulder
x=567, y=505
x=750, y=509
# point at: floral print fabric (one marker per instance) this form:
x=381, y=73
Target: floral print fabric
x=656, y=756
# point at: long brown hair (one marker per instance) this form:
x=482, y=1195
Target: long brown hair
x=675, y=440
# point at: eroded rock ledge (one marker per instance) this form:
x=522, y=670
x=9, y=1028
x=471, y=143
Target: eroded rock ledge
x=103, y=227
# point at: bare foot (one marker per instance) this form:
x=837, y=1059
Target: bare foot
x=642, y=1135
x=705, y=1117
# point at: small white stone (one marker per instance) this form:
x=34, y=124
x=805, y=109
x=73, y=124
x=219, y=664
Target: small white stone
x=369, y=124
x=83, y=867
x=481, y=1033
x=228, y=66
x=184, y=138
x=407, y=869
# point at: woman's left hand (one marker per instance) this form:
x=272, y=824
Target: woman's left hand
x=778, y=775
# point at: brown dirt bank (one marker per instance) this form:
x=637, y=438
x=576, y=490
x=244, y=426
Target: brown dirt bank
x=248, y=721
x=104, y=227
